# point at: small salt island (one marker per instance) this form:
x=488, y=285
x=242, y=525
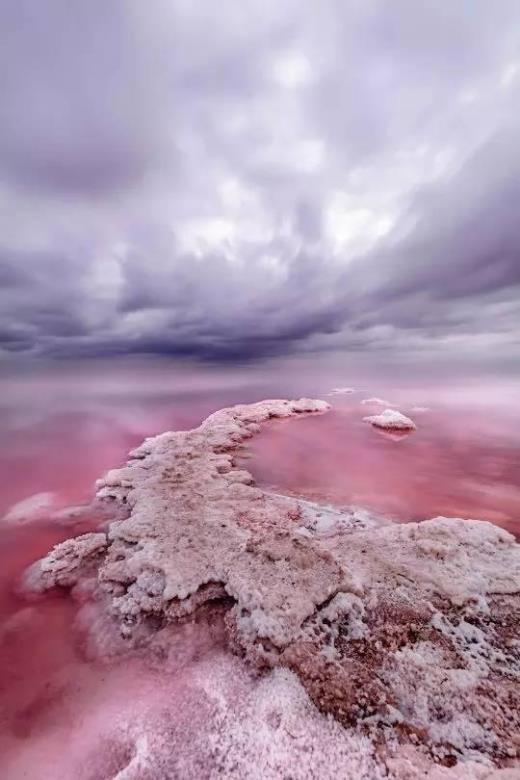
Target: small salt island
x=391, y=420
x=342, y=391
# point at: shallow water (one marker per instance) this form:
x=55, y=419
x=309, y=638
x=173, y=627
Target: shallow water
x=61, y=428
x=456, y=464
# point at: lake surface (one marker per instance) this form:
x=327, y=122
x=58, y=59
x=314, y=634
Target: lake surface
x=460, y=462
x=61, y=427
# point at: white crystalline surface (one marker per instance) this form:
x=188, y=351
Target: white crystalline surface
x=391, y=420
x=375, y=402
x=405, y=635
x=342, y=390
x=210, y=720
x=32, y=508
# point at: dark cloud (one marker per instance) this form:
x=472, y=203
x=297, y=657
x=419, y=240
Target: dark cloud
x=235, y=181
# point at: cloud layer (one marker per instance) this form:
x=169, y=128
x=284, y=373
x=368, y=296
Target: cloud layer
x=238, y=180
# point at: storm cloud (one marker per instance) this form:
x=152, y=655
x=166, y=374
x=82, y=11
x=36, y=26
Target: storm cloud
x=234, y=181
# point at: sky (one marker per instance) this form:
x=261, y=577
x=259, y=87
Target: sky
x=233, y=181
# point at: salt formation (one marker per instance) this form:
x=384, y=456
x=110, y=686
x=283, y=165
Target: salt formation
x=375, y=402
x=391, y=420
x=342, y=391
x=35, y=507
x=405, y=634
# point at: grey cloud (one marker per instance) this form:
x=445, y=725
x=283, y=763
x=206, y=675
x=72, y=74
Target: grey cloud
x=466, y=242
x=123, y=123
x=78, y=96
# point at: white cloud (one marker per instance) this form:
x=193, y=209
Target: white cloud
x=291, y=69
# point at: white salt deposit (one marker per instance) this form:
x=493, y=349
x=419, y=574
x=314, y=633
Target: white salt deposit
x=36, y=507
x=391, y=420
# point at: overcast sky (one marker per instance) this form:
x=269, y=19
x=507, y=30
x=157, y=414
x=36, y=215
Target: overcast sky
x=233, y=180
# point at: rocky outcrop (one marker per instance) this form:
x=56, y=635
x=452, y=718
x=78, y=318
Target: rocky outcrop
x=407, y=632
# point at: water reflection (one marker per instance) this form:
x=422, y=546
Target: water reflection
x=392, y=435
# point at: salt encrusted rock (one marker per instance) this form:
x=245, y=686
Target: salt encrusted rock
x=409, y=632
x=391, y=420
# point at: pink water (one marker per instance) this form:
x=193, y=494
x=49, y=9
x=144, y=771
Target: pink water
x=62, y=715
x=462, y=464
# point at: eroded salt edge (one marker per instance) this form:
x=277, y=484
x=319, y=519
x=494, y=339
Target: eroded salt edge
x=407, y=632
